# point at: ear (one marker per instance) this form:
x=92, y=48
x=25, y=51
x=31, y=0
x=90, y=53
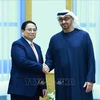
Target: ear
x=22, y=31
x=72, y=18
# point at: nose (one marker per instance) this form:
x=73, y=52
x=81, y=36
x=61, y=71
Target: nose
x=63, y=21
x=32, y=31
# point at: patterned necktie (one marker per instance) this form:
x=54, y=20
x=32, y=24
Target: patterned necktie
x=36, y=55
x=35, y=52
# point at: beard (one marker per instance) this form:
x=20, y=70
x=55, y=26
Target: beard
x=65, y=27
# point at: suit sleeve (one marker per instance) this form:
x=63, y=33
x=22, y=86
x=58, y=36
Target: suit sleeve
x=49, y=56
x=90, y=61
x=42, y=77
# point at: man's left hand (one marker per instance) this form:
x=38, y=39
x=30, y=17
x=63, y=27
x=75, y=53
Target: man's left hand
x=89, y=86
x=44, y=92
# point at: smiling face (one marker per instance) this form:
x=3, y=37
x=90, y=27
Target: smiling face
x=66, y=22
x=29, y=32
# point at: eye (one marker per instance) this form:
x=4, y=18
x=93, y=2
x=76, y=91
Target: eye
x=65, y=19
x=30, y=29
x=60, y=19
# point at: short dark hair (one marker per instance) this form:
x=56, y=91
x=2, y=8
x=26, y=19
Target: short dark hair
x=27, y=22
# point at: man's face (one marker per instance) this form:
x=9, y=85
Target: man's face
x=30, y=31
x=65, y=21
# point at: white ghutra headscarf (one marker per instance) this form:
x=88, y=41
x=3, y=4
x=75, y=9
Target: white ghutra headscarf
x=70, y=13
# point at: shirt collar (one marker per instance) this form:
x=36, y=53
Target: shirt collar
x=29, y=42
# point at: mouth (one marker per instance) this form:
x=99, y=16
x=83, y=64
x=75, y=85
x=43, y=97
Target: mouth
x=32, y=35
x=64, y=25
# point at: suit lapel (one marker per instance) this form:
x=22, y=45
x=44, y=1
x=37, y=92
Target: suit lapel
x=29, y=49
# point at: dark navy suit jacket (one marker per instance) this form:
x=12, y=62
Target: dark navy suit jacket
x=25, y=71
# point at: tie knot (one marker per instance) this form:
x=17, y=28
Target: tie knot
x=31, y=44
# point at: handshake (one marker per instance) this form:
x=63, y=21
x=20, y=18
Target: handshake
x=45, y=68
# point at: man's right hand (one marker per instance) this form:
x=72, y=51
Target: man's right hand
x=45, y=68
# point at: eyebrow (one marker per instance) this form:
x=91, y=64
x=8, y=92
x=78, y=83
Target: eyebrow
x=64, y=17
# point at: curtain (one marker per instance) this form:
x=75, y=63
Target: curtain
x=12, y=14
x=88, y=14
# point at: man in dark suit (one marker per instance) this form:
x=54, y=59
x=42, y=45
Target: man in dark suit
x=27, y=81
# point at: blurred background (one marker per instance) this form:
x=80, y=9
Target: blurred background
x=43, y=12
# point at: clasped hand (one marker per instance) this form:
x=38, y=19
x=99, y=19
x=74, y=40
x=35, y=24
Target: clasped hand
x=45, y=68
